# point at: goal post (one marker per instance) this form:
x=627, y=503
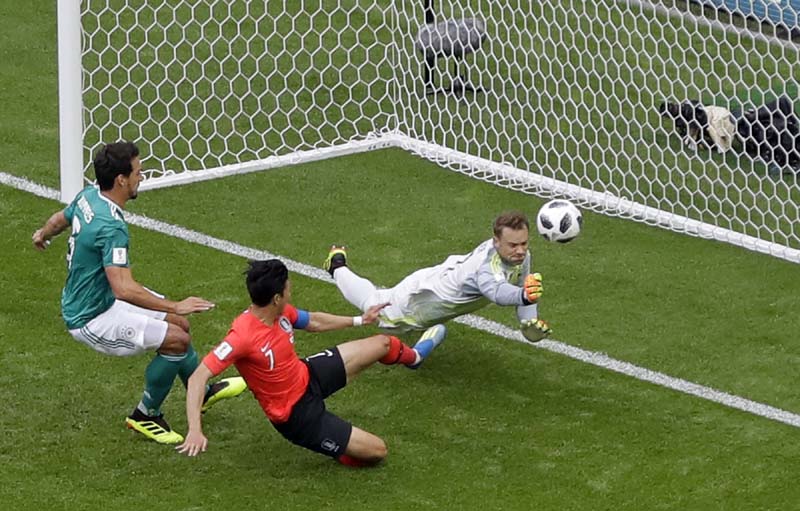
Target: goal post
x=554, y=98
x=70, y=99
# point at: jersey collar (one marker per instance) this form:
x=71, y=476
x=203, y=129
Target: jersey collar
x=115, y=209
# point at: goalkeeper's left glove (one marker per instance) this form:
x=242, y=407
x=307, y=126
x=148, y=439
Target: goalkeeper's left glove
x=534, y=329
x=532, y=288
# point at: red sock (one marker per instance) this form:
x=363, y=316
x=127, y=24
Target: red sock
x=344, y=459
x=399, y=353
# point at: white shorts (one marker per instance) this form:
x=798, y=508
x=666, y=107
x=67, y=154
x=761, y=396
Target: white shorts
x=413, y=307
x=124, y=330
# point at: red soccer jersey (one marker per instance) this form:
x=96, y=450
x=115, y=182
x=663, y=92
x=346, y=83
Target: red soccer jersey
x=265, y=357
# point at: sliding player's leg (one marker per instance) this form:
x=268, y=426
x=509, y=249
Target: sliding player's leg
x=312, y=426
x=359, y=354
x=364, y=449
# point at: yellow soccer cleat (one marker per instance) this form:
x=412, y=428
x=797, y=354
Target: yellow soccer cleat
x=337, y=257
x=223, y=389
x=153, y=427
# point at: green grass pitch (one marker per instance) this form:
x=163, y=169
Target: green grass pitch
x=485, y=424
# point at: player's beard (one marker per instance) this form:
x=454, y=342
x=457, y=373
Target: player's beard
x=513, y=263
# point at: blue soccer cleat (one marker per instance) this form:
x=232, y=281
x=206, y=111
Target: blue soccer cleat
x=426, y=344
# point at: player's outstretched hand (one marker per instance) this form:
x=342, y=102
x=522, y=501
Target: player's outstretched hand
x=371, y=316
x=534, y=329
x=39, y=241
x=193, y=304
x=533, y=287
x=194, y=444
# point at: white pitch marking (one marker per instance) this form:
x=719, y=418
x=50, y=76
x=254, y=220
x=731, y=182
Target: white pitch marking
x=486, y=325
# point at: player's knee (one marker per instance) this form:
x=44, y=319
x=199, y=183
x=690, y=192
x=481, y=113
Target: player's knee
x=384, y=341
x=176, y=342
x=375, y=451
x=379, y=451
x=183, y=324
x=179, y=321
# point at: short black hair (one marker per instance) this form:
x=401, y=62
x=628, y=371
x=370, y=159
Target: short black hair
x=265, y=279
x=113, y=160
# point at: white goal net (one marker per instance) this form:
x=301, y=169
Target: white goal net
x=565, y=102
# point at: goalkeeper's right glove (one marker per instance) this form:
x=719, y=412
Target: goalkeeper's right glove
x=532, y=288
x=534, y=329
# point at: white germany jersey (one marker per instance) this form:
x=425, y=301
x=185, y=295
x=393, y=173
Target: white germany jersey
x=459, y=285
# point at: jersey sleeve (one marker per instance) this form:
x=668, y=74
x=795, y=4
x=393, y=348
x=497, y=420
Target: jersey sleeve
x=225, y=354
x=114, y=247
x=69, y=211
x=298, y=317
x=493, y=284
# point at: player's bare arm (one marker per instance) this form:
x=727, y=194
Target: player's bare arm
x=53, y=227
x=195, y=441
x=126, y=288
x=323, y=322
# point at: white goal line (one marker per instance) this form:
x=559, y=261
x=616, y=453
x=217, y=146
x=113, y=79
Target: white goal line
x=485, y=325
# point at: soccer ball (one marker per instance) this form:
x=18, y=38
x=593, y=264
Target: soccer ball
x=559, y=220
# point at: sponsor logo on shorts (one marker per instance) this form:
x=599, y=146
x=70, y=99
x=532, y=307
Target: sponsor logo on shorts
x=286, y=326
x=223, y=350
x=329, y=445
x=326, y=353
x=127, y=332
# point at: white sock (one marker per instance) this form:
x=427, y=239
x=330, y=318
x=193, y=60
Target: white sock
x=356, y=290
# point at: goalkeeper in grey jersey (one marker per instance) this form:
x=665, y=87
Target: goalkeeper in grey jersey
x=497, y=271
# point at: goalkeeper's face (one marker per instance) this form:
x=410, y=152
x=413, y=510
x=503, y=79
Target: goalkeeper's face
x=512, y=245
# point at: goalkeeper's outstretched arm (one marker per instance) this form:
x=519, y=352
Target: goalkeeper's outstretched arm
x=494, y=286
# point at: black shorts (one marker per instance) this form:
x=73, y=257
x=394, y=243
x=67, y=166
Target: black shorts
x=310, y=425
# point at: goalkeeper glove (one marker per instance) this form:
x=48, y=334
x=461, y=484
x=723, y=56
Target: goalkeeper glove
x=532, y=288
x=534, y=329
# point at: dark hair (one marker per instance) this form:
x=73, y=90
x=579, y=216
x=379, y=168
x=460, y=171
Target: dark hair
x=265, y=279
x=114, y=160
x=514, y=220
